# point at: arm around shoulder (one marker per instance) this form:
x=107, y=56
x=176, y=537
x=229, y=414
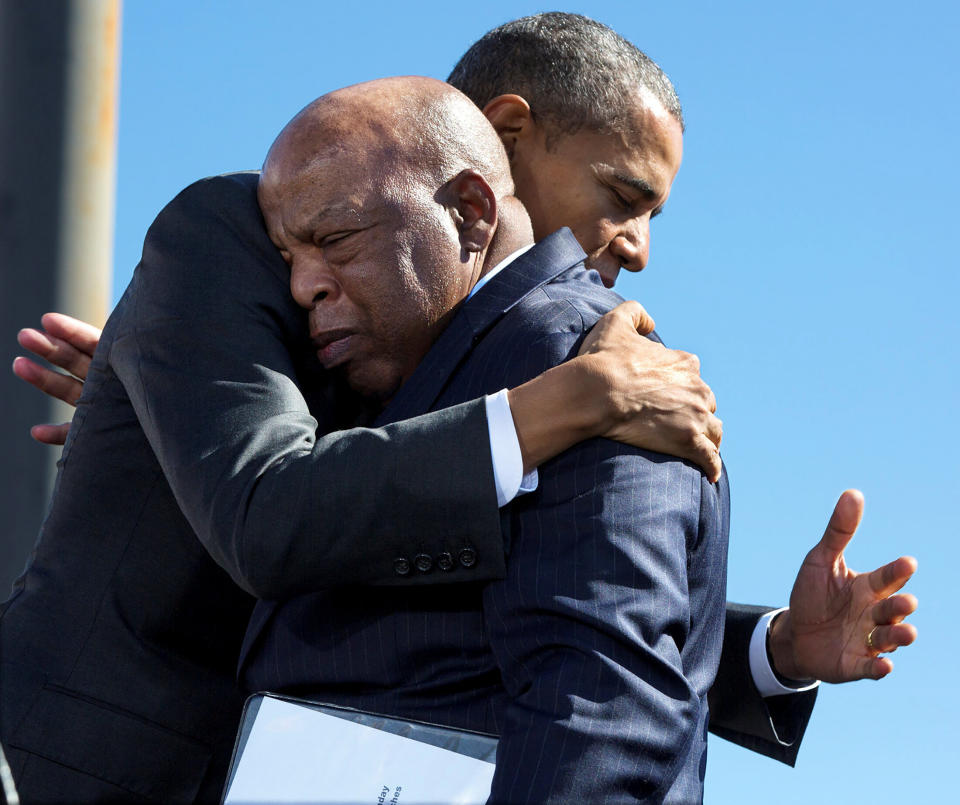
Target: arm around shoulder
x=214, y=356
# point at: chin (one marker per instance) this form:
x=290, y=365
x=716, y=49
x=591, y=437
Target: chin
x=605, y=277
x=373, y=387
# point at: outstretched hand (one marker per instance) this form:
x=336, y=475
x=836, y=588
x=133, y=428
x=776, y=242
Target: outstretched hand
x=65, y=342
x=661, y=403
x=833, y=610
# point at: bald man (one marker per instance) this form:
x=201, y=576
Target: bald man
x=592, y=659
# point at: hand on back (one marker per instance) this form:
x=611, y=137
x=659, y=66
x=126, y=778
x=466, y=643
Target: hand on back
x=64, y=342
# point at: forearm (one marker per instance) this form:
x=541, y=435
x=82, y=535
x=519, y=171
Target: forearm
x=362, y=505
x=286, y=512
x=557, y=409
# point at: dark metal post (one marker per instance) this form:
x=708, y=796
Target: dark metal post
x=58, y=78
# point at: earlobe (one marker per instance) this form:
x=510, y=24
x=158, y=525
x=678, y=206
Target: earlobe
x=510, y=116
x=473, y=209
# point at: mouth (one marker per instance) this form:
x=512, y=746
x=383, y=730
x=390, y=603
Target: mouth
x=608, y=274
x=605, y=264
x=333, y=346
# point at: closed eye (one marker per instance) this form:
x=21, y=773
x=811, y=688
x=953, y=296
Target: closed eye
x=622, y=200
x=334, y=237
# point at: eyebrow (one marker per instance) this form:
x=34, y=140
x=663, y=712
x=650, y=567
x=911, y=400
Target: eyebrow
x=332, y=211
x=642, y=186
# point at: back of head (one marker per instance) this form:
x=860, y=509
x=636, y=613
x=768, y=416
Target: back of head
x=574, y=72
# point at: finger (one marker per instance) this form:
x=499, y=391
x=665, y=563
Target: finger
x=712, y=402
x=843, y=523
x=641, y=321
x=890, y=638
x=714, y=430
x=80, y=335
x=49, y=382
x=872, y=668
x=55, y=350
x=50, y=434
x=892, y=576
x=36, y=341
x=894, y=609
x=706, y=456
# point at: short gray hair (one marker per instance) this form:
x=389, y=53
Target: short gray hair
x=576, y=73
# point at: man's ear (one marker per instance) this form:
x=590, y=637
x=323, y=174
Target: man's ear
x=511, y=117
x=473, y=207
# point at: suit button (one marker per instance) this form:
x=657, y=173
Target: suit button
x=401, y=566
x=423, y=562
x=445, y=561
x=467, y=557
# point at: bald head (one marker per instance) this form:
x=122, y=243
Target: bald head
x=388, y=200
x=413, y=127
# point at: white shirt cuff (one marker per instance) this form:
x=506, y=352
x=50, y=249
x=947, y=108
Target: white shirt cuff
x=763, y=676
x=505, y=451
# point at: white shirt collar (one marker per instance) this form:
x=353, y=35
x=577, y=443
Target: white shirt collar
x=498, y=268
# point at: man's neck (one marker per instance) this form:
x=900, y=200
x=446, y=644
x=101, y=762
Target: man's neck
x=513, y=232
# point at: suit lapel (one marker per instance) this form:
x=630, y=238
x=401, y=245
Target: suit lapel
x=541, y=264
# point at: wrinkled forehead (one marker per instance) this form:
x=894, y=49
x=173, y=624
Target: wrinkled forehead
x=332, y=167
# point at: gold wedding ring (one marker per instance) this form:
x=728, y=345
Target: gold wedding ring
x=870, y=640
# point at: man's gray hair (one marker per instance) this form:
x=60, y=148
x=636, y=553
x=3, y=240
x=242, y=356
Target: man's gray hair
x=576, y=73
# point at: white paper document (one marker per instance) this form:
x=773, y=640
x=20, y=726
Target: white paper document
x=295, y=754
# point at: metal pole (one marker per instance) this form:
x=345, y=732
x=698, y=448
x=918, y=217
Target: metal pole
x=58, y=100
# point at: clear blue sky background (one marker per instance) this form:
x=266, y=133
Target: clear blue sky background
x=807, y=255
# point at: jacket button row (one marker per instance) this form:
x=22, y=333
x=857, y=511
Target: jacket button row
x=424, y=562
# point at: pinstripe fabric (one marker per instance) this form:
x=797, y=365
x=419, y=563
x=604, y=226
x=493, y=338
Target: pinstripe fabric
x=593, y=658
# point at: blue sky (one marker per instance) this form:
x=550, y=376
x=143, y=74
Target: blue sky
x=805, y=255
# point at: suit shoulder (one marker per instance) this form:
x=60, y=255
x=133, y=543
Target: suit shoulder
x=541, y=330
x=573, y=301
x=223, y=187
x=228, y=200
x=207, y=254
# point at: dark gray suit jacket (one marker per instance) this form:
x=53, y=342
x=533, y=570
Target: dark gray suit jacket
x=593, y=658
x=193, y=439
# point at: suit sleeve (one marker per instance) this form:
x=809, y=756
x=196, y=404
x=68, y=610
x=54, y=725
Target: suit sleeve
x=607, y=627
x=773, y=726
x=212, y=354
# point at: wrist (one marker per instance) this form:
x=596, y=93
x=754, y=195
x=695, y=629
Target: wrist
x=780, y=651
x=558, y=409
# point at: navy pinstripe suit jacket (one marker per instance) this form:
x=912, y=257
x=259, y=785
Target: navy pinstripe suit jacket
x=593, y=657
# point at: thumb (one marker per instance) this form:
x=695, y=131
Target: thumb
x=843, y=522
x=642, y=321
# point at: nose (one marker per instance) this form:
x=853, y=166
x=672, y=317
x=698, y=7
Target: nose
x=311, y=282
x=631, y=246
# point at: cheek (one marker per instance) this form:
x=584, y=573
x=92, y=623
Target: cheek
x=594, y=236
